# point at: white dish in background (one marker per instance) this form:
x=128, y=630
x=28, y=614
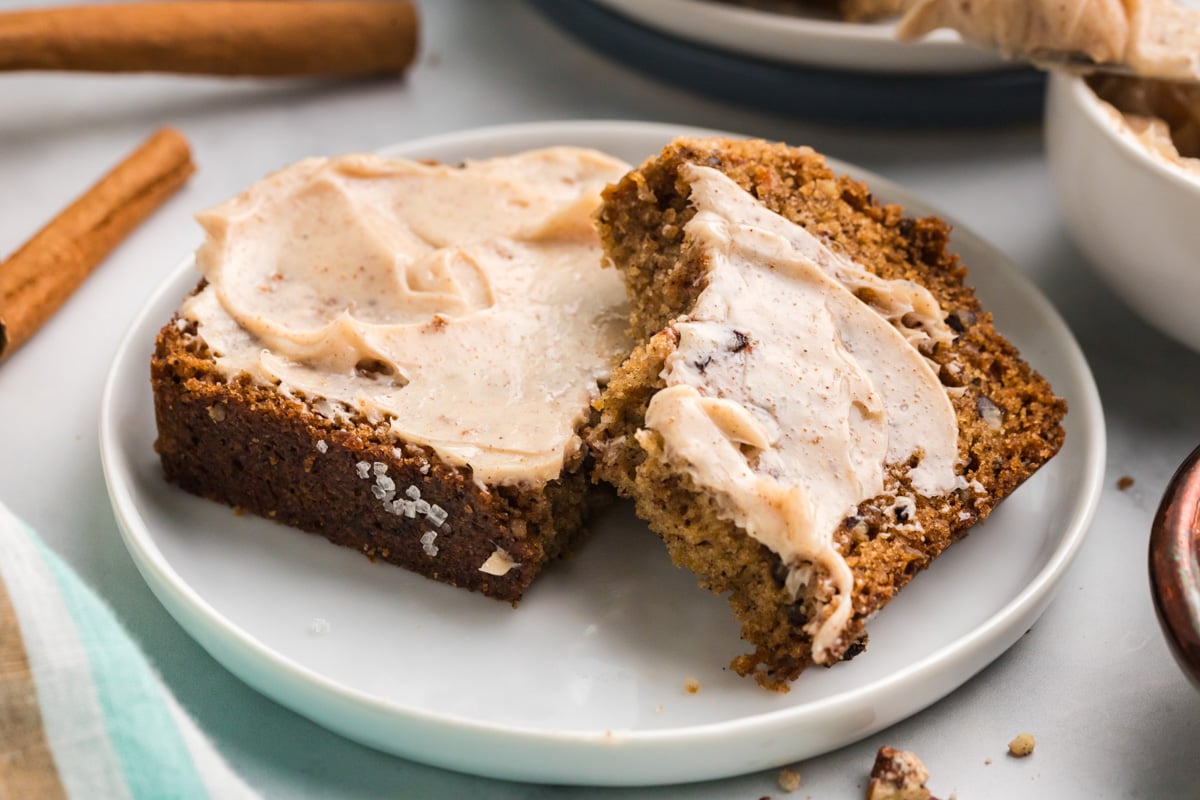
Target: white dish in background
x=1133, y=215
x=584, y=684
x=809, y=39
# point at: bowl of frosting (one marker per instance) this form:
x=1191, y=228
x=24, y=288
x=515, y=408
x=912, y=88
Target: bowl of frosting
x=1124, y=155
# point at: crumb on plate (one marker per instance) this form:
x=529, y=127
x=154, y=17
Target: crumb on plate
x=789, y=779
x=1021, y=746
x=898, y=775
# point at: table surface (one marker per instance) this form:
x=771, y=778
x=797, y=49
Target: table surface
x=1093, y=680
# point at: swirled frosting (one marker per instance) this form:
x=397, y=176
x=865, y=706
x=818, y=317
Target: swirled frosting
x=465, y=306
x=1155, y=38
x=796, y=382
x=1163, y=117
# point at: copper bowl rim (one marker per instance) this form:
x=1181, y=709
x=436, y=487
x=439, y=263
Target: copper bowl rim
x=1175, y=565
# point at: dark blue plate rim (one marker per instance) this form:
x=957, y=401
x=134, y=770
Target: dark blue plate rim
x=974, y=99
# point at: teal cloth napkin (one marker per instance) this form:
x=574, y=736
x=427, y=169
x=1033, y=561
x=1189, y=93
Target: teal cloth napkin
x=82, y=712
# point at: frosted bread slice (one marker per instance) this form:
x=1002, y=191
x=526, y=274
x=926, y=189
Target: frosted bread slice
x=817, y=406
x=399, y=356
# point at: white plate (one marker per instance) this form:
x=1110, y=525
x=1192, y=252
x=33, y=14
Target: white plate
x=585, y=682
x=808, y=38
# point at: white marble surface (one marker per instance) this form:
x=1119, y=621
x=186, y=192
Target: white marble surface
x=1093, y=680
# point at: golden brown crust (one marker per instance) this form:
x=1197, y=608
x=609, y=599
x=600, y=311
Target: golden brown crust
x=253, y=448
x=1009, y=420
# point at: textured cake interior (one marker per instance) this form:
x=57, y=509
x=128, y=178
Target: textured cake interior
x=1008, y=418
x=252, y=447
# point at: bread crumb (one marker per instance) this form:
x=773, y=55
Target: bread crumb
x=1124, y=482
x=1021, y=746
x=987, y=762
x=898, y=775
x=659, y=710
x=789, y=779
x=691, y=685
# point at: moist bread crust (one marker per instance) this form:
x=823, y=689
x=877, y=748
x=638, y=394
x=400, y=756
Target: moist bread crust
x=1009, y=420
x=251, y=447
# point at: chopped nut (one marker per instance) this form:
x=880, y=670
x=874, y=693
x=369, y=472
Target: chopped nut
x=961, y=319
x=898, y=775
x=951, y=374
x=991, y=413
x=1021, y=746
x=499, y=563
x=217, y=412
x=789, y=780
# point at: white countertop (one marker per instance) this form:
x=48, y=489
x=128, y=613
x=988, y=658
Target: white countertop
x=1093, y=680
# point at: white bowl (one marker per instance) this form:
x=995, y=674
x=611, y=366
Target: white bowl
x=1135, y=217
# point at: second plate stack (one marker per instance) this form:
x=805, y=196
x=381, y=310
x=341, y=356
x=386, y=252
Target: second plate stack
x=805, y=66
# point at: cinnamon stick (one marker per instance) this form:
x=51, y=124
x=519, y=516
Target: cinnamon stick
x=215, y=37
x=40, y=276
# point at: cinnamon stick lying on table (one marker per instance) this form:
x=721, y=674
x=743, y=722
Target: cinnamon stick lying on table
x=39, y=277
x=216, y=37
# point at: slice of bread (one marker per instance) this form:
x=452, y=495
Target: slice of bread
x=250, y=447
x=1008, y=420
x=400, y=358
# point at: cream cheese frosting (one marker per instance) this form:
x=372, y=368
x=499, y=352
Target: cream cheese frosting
x=797, y=380
x=464, y=306
x=1154, y=38
x=1163, y=117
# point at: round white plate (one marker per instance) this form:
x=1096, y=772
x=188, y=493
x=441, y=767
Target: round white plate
x=808, y=38
x=584, y=683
